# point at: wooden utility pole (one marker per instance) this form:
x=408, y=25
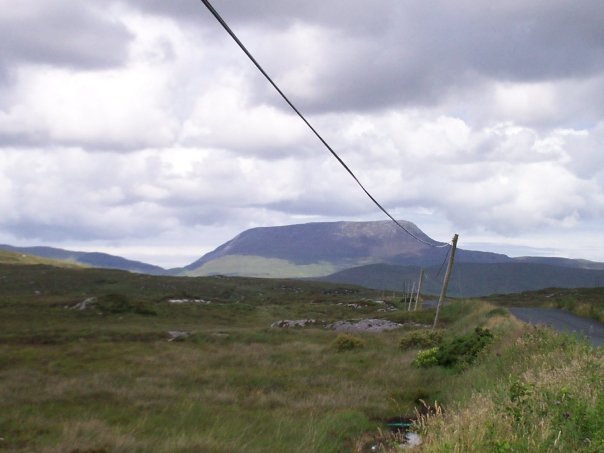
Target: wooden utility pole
x=443, y=292
x=419, y=287
x=411, y=297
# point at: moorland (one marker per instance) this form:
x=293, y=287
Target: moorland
x=188, y=364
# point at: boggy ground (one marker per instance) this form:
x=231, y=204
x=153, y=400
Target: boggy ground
x=107, y=378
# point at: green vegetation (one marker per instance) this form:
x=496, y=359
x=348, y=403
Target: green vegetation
x=422, y=338
x=427, y=358
x=459, y=352
x=347, y=342
x=118, y=303
x=462, y=351
x=260, y=266
x=12, y=258
x=108, y=377
x=543, y=392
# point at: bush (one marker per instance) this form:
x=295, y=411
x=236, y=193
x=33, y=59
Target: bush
x=459, y=352
x=347, y=342
x=119, y=304
x=421, y=339
x=464, y=350
x=427, y=358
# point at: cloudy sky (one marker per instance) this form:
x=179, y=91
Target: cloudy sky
x=138, y=127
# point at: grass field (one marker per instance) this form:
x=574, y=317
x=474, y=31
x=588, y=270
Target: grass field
x=107, y=378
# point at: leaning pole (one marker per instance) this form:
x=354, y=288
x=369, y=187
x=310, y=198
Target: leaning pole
x=443, y=292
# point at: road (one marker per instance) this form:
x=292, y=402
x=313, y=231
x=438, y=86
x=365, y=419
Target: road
x=562, y=321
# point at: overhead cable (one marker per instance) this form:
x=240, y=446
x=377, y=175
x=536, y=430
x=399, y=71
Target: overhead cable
x=338, y=158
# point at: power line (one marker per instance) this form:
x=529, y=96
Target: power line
x=253, y=60
x=443, y=264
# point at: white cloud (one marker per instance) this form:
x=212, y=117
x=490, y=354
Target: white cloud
x=442, y=116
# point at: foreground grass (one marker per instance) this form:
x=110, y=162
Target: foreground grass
x=544, y=392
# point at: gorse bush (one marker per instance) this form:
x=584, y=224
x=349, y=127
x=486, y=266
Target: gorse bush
x=459, y=352
x=427, y=358
x=462, y=351
x=347, y=342
x=421, y=339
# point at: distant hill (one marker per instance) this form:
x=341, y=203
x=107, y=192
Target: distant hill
x=93, y=259
x=472, y=279
x=15, y=258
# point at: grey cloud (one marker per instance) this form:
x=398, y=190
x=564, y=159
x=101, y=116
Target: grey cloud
x=332, y=206
x=61, y=33
x=349, y=14
x=417, y=53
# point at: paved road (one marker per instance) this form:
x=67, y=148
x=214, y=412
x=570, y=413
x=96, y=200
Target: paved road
x=562, y=321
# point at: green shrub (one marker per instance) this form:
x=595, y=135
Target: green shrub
x=347, y=342
x=459, y=352
x=421, y=339
x=462, y=351
x=119, y=304
x=427, y=358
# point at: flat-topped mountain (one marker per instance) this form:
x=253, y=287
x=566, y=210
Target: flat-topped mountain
x=318, y=249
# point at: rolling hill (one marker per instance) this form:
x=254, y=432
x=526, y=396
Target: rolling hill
x=92, y=259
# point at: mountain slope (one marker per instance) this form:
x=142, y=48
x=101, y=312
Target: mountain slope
x=94, y=259
x=317, y=249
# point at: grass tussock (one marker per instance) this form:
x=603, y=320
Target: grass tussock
x=346, y=342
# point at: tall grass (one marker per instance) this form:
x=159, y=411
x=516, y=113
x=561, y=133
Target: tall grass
x=543, y=393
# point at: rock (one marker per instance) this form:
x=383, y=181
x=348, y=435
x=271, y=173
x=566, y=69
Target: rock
x=85, y=304
x=355, y=306
x=189, y=301
x=365, y=325
x=287, y=323
x=413, y=439
x=178, y=335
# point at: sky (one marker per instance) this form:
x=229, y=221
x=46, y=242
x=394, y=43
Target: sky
x=138, y=128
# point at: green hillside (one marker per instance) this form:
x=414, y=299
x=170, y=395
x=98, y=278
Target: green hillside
x=14, y=258
x=258, y=266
